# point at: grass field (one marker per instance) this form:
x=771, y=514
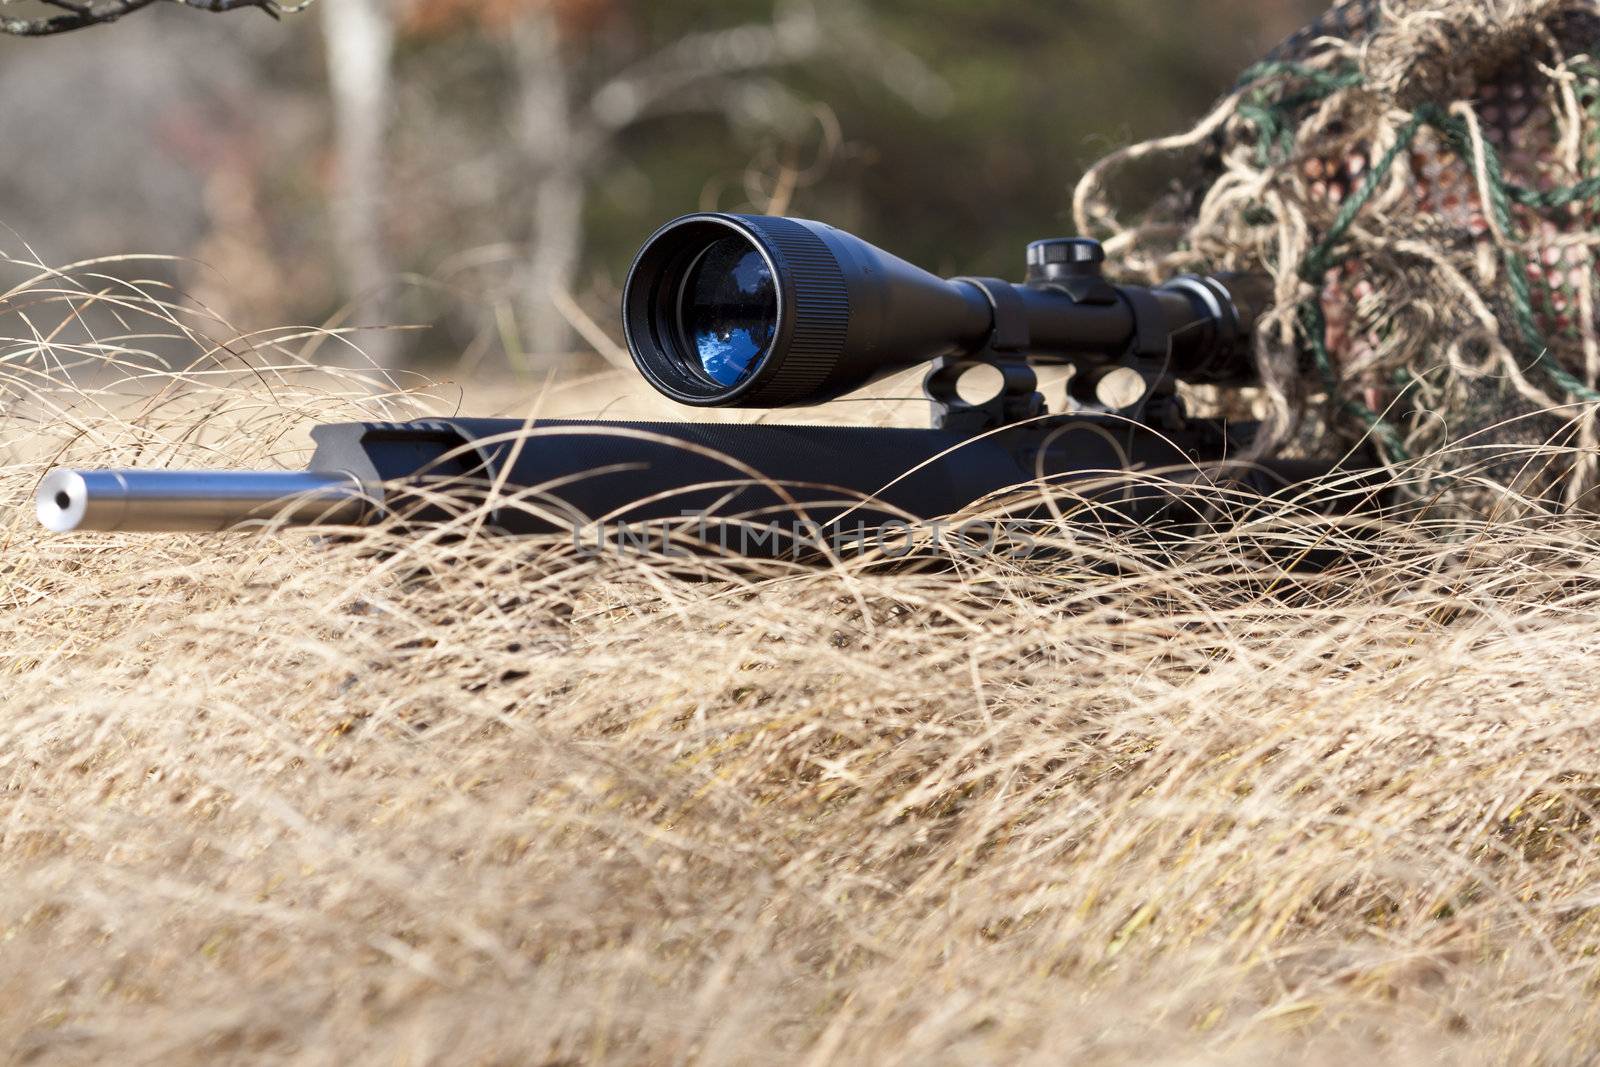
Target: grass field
x=268, y=799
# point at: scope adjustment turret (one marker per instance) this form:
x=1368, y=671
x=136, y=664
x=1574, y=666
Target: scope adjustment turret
x=1060, y=258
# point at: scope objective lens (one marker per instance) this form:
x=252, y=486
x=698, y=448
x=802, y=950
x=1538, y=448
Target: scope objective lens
x=728, y=311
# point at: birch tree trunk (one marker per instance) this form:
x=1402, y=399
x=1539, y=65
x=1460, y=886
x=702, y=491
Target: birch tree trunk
x=552, y=155
x=359, y=37
x=563, y=133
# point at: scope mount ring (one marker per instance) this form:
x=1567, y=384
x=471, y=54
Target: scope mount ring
x=1158, y=404
x=1017, y=400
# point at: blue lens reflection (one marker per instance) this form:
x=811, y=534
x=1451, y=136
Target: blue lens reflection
x=730, y=310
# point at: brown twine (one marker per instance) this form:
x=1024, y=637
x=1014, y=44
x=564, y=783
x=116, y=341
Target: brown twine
x=1424, y=198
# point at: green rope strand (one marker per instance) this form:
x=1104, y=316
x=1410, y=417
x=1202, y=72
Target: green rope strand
x=1314, y=324
x=1315, y=265
x=1556, y=199
x=1516, y=266
x=1273, y=117
x=1273, y=120
x=1314, y=269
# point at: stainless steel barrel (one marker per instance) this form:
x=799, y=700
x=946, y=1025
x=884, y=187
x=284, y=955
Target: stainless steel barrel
x=200, y=501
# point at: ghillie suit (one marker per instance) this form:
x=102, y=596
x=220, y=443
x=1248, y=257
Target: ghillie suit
x=1422, y=180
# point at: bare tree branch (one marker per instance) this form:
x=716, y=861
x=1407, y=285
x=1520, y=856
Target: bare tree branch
x=79, y=14
x=717, y=59
x=698, y=58
x=567, y=128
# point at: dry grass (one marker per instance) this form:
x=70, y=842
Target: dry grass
x=267, y=799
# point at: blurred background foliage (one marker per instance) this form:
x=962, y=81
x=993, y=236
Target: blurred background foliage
x=464, y=165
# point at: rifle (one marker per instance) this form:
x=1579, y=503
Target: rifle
x=761, y=311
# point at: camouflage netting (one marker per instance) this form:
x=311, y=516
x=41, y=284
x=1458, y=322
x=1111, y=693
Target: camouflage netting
x=1422, y=180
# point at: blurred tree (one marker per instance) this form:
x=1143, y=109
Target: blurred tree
x=1040, y=89
x=360, y=51
x=447, y=149
x=588, y=71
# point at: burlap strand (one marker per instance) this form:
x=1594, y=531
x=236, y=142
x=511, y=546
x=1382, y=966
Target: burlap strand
x=1422, y=180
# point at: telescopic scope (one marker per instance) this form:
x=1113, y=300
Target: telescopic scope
x=763, y=311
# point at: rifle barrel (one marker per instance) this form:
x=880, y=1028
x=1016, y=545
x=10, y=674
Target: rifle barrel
x=197, y=501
